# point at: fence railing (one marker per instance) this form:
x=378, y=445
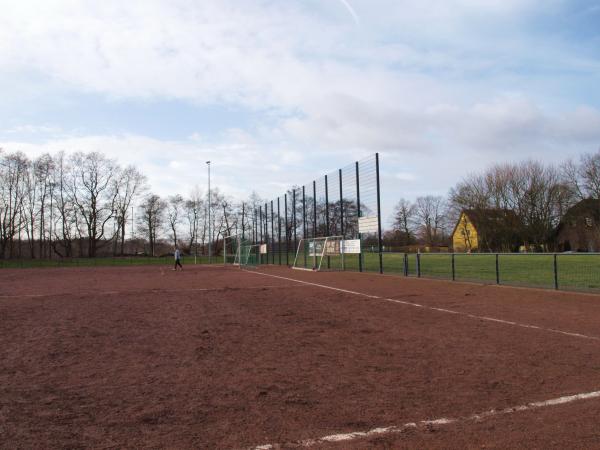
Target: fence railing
x=566, y=271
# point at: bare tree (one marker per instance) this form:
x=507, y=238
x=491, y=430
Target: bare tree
x=13, y=192
x=30, y=208
x=175, y=205
x=404, y=214
x=152, y=212
x=194, y=211
x=429, y=219
x=93, y=193
x=583, y=179
x=64, y=206
x=44, y=179
x=129, y=184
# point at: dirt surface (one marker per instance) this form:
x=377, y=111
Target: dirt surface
x=221, y=358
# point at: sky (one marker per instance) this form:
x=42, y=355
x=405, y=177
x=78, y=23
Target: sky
x=279, y=92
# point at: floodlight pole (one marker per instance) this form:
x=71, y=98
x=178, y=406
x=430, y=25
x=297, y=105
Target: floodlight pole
x=209, y=228
x=195, y=237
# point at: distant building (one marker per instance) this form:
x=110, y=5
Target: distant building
x=486, y=230
x=579, y=229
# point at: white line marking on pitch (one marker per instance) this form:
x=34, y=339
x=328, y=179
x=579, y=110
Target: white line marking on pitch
x=441, y=421
x=432, y=308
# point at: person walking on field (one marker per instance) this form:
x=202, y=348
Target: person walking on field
x=177, y=259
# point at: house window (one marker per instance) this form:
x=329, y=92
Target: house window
x=589, y=222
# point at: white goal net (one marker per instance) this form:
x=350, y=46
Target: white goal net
x=323, y=253
x=232, y=247
x=250, y=255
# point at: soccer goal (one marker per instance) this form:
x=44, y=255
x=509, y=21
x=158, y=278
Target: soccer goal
x=323, y=253
x=232, y=246
x=250, y=255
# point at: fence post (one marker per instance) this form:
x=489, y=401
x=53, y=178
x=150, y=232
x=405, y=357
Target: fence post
x=342, y=215
x=360, y=265
x=418, y=265
x=314, y=208
x=327, y=231
x=259, y=223
x=243, y=224
x=294, y=219
x=341, y=205
x=405, y=264
x=304, y=219
x=326, y=206
x=497, y=268
x=287, y=250
x=272, y=234
x=453, y=268
x=266, y=225
x=379, y=238
x=279, y=229
x=555, y=272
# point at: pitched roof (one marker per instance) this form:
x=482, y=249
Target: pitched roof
x=589, y=207
x=484, y=217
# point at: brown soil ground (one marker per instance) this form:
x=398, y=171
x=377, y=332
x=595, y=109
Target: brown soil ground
x=216, y=357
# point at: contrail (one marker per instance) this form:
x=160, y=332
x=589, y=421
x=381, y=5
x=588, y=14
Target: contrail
x=351, y=11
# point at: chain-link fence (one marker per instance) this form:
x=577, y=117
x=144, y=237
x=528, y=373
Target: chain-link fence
x=344, y=203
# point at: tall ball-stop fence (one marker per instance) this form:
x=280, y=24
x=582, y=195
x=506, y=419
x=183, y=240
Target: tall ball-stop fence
x=345, y=203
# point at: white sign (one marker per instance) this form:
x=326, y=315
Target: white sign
x=263, y=249
x=332, y=247
x=351, y=246
x=368, y=224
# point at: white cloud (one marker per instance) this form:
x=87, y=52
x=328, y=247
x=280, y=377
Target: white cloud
x=437, y=84
x=405, y=176
x=237, y=166
x=32, y=129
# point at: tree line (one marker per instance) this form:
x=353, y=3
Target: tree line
x=538, y=194
x=87, y=205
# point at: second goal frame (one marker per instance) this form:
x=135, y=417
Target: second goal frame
x=311, y=253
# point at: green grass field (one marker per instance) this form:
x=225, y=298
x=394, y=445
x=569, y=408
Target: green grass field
x=575, y=271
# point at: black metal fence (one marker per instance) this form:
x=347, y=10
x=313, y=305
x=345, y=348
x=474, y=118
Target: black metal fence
x=565, y=271
x=331, y=205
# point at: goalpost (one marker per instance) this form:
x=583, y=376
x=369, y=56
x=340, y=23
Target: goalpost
x=239, y=252
x=322, y=253
x=232, y=246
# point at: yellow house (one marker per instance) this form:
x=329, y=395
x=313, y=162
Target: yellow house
x=486, y=229
x=464, y=236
